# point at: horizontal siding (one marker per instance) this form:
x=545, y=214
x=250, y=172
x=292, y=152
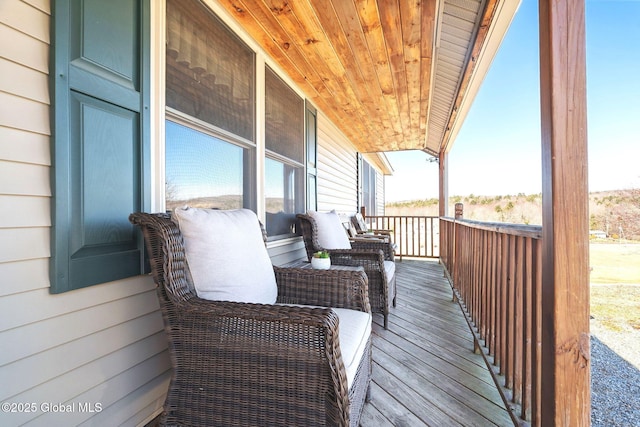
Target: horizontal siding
x=337, y=169
x=17, y=244
x=68, y=317
x=24, y=276
x=27, y=82
x=24, y=179
x=41, y=5
x=24, y=147
x=284, y=253
x=103, y=344
x=23, y=113
x=26, y=211
x=23, y=49
x=26, y=19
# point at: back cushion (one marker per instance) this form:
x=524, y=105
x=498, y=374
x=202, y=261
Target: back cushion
x=226, y=255
x=331, y=232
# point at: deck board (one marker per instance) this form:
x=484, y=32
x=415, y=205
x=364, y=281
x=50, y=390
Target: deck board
x=424, y=370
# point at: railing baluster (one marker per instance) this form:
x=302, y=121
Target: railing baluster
x=496, y=271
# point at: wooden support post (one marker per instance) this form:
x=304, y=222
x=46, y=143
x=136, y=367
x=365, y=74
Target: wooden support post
x=443, y=185
x=459, y=207
x=565, y=395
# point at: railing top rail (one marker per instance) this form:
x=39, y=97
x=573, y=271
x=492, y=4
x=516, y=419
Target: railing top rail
x=532, y=231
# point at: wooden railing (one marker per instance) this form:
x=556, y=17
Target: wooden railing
x=415, y=236
x=496, y=274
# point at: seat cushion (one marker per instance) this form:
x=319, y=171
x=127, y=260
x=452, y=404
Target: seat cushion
x=226, y=255
x=330, y=231
x=354, y=331
x=389, y=269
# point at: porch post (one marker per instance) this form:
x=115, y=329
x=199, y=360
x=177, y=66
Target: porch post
x=565, y=396
x=443, y=184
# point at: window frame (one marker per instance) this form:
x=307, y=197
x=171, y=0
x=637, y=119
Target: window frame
x=249, y=167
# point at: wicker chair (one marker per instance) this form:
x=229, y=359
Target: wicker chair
x=362, y=229
x=247, y=364
x=375, y=256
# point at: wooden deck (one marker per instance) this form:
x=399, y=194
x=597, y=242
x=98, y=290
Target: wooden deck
x=424, y=370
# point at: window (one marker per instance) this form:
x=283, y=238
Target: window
x=100, y=128
x=204, y=171
x=284, y=163
x=368, y=187
x=210, y=131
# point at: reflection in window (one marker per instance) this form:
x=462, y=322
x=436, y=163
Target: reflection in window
x=283, y=195
x=203, y=171
x=210, y=72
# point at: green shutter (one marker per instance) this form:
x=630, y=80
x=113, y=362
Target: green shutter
x=100, y=139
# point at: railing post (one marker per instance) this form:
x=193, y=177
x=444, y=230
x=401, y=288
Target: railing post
x=459, y=210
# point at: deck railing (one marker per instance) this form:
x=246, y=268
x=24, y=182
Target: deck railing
x=415, y=236
x=496, y=275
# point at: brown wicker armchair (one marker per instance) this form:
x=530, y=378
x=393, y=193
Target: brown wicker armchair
x=375, y=256
x=247, y=364
x=362, y=229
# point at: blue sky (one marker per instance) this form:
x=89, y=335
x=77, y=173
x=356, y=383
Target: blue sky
x=498, y=148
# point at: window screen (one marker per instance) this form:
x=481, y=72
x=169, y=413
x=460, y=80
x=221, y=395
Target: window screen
x=210, y=72
x=284, y=119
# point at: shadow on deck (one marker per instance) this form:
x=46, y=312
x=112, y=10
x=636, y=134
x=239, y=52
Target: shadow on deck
x=424, y=368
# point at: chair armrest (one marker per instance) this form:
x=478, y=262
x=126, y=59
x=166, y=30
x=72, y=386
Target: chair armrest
x=368, y=244
x=326, y=288
x=386, y=233
x=369, y=259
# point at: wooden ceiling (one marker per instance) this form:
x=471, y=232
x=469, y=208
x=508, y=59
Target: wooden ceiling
x=389, y=73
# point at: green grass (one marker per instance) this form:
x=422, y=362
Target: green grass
x=615, y=262
x=615, y=280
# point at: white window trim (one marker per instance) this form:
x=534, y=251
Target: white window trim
x=157, y=107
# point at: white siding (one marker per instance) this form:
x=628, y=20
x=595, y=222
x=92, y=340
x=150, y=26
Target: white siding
x=337, y=169
x=100, y=345
x=379, y=193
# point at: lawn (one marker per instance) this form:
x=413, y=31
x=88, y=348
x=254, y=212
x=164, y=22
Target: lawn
x=615, y=285
x=615, y=262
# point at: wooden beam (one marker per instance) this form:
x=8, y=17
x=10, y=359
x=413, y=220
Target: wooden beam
x=565, y=253
x=443, y=185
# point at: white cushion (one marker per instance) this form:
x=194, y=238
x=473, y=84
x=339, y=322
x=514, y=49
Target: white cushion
x=226, y=255
x=331, y=232
x=354, y=331
x=389, y=269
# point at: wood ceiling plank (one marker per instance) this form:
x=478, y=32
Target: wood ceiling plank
x=267, y=34
x=369, y=17
x=392, y=30
x=427, y=42
x=410, y=14
x=355, y=53
x=331, y=43
x=299, y=21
